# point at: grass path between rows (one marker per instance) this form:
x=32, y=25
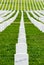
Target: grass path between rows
x=35, y=43
x=8, y=40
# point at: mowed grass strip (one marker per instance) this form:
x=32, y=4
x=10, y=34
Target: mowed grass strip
x=35, y=44
x=8, y=40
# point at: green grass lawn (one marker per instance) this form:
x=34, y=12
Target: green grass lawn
x=35, y=43
x=8, y=40
x=9, y=37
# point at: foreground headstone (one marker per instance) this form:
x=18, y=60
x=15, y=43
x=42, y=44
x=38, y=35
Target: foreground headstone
x=21, y=56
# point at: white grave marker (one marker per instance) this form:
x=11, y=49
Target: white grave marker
x=21, y=56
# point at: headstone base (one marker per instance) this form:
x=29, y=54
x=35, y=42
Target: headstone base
x=21, y=59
